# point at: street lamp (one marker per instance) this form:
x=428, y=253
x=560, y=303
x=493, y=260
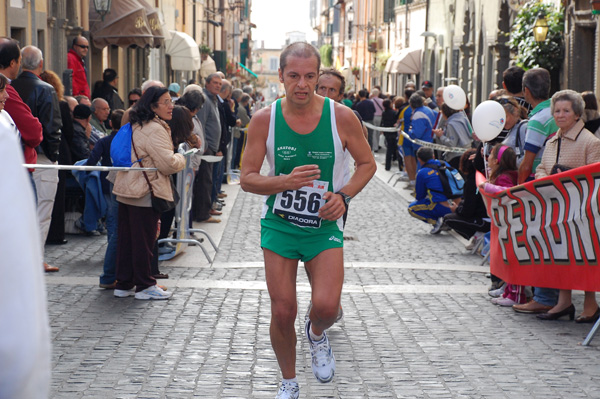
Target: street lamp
x=540, y=29
x=102, y=7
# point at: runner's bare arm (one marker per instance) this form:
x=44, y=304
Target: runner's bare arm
x=352, y=137
x=256, y=147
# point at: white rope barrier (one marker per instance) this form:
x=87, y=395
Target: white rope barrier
x=434, y=146
x=86, y=168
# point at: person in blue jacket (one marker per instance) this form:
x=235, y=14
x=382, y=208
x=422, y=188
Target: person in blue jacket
x=421, y=129
x=431, y=204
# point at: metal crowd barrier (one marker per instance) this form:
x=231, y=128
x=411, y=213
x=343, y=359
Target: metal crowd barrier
x=183, y=237
x=185, y=182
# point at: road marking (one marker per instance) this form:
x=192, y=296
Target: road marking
x=353, y=265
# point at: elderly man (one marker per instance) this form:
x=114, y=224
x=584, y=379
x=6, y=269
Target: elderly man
x=541, y=125
x=43, y=102
x=211, y=124
x=100, y=112
x=76, y=62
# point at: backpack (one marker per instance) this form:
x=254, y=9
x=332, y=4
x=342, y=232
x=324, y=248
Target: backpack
x=120, y=148
x=451, y=179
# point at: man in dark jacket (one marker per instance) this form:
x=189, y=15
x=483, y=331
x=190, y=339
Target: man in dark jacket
x=228, y=120
x=366, y=109
x=80, y=148
x=210, y=119
x=107, y=89
x=43, y=102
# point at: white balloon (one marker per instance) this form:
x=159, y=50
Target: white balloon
x=455, y=97
x=488, y=120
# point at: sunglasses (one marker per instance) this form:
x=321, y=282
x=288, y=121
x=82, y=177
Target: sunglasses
x=84, y=46
x=504, y=101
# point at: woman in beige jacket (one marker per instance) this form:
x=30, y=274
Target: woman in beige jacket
x=138, y=221
x=572, y=146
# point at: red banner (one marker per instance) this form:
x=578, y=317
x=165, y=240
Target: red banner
x=546, y=233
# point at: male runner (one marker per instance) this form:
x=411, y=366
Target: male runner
x=303, y=137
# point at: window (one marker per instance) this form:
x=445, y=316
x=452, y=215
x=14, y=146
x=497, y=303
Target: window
x=273, y=63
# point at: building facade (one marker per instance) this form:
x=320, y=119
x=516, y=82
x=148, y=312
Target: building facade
x=463, y=42
x=137, y=38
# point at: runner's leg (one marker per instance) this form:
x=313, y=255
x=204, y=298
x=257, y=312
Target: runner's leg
x=280, y=274
x=327, y=278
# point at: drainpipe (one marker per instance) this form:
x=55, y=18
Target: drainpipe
x=33, y=24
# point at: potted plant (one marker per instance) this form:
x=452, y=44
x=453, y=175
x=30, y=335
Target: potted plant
x=356, y=71
x=205, y=51
x=373, y=46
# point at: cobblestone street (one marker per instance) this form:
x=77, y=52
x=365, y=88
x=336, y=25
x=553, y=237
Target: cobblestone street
x=417, y=323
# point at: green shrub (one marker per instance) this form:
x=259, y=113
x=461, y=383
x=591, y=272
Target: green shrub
x=531, y=54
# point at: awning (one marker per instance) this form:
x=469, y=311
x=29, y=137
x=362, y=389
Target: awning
x=247, y=69
x=126, y=25
x=208, y=66
x=154, y=23
x=184, y=52
x=406, y=61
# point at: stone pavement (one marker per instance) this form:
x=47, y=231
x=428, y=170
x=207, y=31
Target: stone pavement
x=418, y=322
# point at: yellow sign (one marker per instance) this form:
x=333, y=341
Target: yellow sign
x=139, y=22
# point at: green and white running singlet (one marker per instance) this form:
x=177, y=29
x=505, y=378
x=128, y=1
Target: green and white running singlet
x=295, y=212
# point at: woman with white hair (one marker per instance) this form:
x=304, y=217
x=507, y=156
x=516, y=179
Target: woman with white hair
x=572, y=146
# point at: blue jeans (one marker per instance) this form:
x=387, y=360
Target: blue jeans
x=110, y=258
x=545, y=296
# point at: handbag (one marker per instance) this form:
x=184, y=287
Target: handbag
x=160, y=205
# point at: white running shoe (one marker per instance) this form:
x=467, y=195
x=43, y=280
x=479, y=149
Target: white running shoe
x=153, y=292
x=288, y=390
x=323, y=361
x=497, y=292
x=437, y=227
x=124, y=293
x=504, y=302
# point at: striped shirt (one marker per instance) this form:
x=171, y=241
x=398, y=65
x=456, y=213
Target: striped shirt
x=540, y=128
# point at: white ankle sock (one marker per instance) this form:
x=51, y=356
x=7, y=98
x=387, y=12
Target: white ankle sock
x=314, y=337
x=290, y=381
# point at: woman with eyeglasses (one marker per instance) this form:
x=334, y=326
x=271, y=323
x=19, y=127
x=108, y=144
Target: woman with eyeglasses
x=571, y=147
x=138, y=225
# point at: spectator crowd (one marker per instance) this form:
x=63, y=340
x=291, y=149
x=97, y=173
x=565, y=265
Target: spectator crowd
x=542, y=135
x=59, y=129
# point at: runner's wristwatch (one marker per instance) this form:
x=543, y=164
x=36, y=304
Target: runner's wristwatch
x=346, y=198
